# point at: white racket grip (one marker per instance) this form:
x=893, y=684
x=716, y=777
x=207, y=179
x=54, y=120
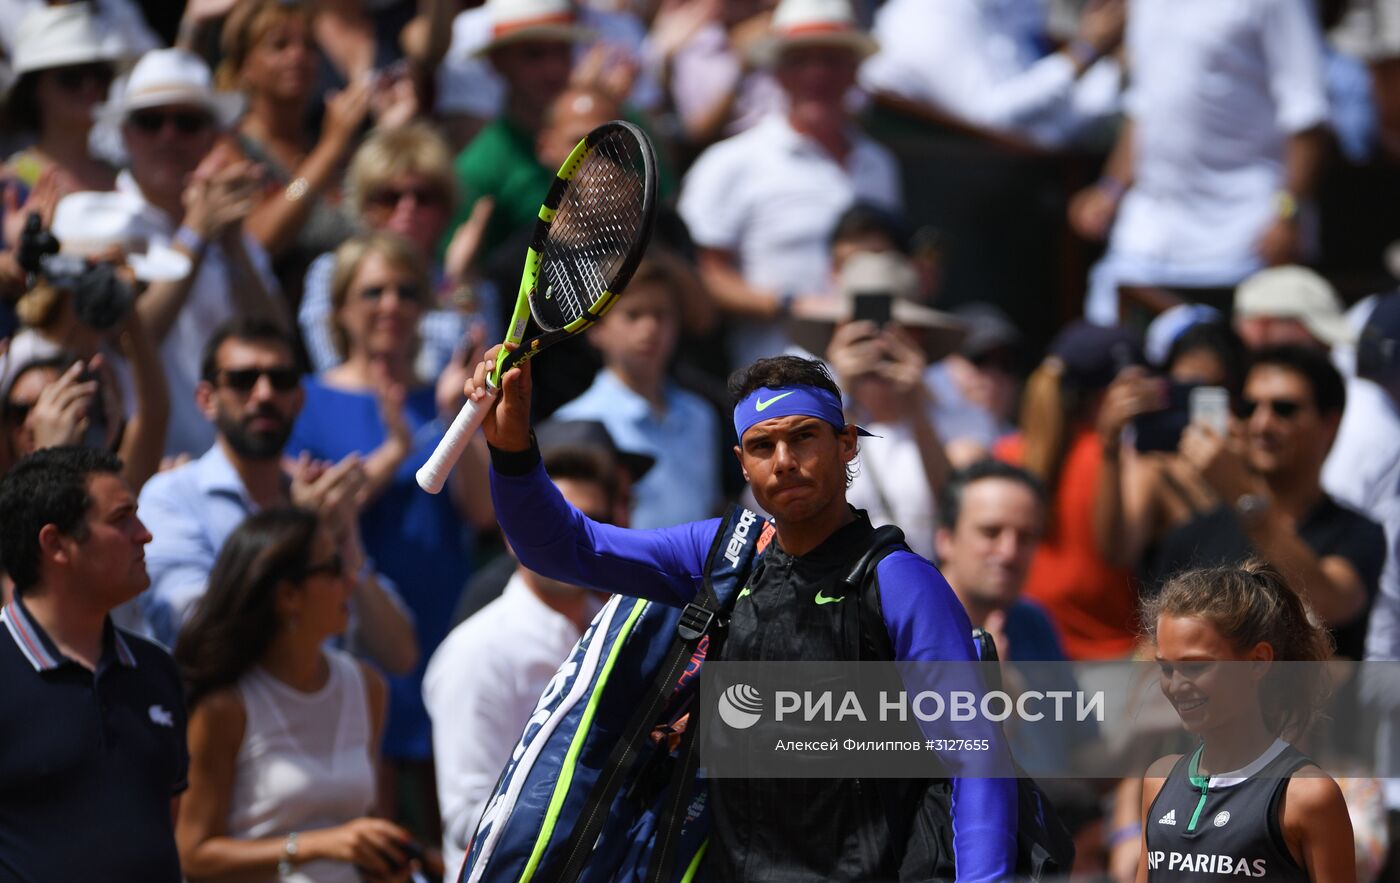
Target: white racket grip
x=434, y=473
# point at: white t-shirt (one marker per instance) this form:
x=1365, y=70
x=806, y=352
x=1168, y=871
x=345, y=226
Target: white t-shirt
x=772, y=196
x=891, y=486
x=1218, y=86
x=982, y=61
x=479, y=688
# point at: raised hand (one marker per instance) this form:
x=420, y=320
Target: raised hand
x=346, y=111
x=466, y=240
x=60, y=415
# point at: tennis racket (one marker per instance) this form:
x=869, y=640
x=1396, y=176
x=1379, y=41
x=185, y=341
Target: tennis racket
x=592, y=231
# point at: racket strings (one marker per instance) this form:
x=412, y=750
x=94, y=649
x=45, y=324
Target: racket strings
x=599, y=220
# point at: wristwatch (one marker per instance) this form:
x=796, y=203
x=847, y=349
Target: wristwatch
x=1252, y=507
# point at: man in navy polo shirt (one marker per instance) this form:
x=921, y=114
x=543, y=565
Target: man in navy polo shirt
x=92, y=719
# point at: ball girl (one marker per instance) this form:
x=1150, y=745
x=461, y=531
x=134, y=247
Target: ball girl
x=1245, y=803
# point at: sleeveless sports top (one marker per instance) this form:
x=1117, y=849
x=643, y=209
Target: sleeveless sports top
x=1208, y=828
x=304, y=762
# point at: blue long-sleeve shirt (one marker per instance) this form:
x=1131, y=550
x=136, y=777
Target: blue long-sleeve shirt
x=666, y=565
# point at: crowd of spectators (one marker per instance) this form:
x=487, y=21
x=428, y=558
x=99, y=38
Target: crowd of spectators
x=250, y=250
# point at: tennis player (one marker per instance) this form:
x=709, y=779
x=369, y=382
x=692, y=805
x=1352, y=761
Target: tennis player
x=1246, y=803
x=795, y=450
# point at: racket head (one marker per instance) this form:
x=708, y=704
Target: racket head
x=594, y=227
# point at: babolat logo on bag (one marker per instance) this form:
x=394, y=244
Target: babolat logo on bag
x=739, y=538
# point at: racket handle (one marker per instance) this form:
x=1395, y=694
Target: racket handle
x=433, y=475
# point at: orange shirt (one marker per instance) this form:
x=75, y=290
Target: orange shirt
x=1093, y=604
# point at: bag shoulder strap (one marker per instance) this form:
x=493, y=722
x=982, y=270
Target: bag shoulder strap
x=874, y=636
x=730, y=558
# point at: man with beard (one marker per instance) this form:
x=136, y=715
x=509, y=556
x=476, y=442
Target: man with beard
x=250, y=389
x=1267, y=476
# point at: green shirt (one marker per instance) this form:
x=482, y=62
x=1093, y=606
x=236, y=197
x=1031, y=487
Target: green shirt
x=500, y=162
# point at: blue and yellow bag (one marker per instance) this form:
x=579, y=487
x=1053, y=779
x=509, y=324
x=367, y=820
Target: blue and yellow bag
x=601, y=786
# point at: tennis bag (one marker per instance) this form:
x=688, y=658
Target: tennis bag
x=603, y=787
x=597, y=774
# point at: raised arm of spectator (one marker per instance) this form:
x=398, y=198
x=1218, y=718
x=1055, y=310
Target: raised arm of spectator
x=719, y=270
x=222, y=192
x=278, y=219
x=1091, y=210
x=1333, y=586
x=1122, y=512
x=932, y=70
x=383, y=625
x=143, y=441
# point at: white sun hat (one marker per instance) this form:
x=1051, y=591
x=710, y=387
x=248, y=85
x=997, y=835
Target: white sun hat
x=167, y=77
x=59, y=36
x=890, y=273
x=518, y=21
x=1292, y=292
x=89, y=223
x=813, y=23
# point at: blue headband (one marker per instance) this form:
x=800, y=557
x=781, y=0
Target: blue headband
x=809, y=401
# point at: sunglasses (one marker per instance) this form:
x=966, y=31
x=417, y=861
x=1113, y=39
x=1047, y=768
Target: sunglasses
x=389, y=197
x=405, y=291
x=244, y=379
x=333, y=566
x=73, y=79
x=18, y=412
x=186, y=122
x=1282, y=408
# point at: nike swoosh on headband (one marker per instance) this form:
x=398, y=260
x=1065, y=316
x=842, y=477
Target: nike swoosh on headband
x=761, y=405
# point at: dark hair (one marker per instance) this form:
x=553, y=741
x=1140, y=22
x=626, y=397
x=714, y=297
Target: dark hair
x=1328, y=389
x=585, y=464
x=781, y=371
x=60, y=363
x=243, y=328
x=1221, y=341
x=950, y=500
x=49, y=486
x=236, y=621
x=22, y=112
x=868, y=219
x=1251, y=604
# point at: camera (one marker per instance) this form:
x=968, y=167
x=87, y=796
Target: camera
x=100, y=297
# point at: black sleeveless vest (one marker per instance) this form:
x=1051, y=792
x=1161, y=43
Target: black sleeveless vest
x=1195, y=832
x=791, y=830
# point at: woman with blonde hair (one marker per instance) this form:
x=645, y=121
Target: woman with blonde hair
x=1092, y=603
x=269, y=54
x=1245, y=801
x=401, y=181
x=374, y=402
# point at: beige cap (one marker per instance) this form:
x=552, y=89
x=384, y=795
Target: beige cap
x=1293, y=292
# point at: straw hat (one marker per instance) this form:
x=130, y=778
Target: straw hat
x=879, y=273
x=519, y=21
x=799, y=23
x=166, y=77
x=59, y=36
x=90, y=223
